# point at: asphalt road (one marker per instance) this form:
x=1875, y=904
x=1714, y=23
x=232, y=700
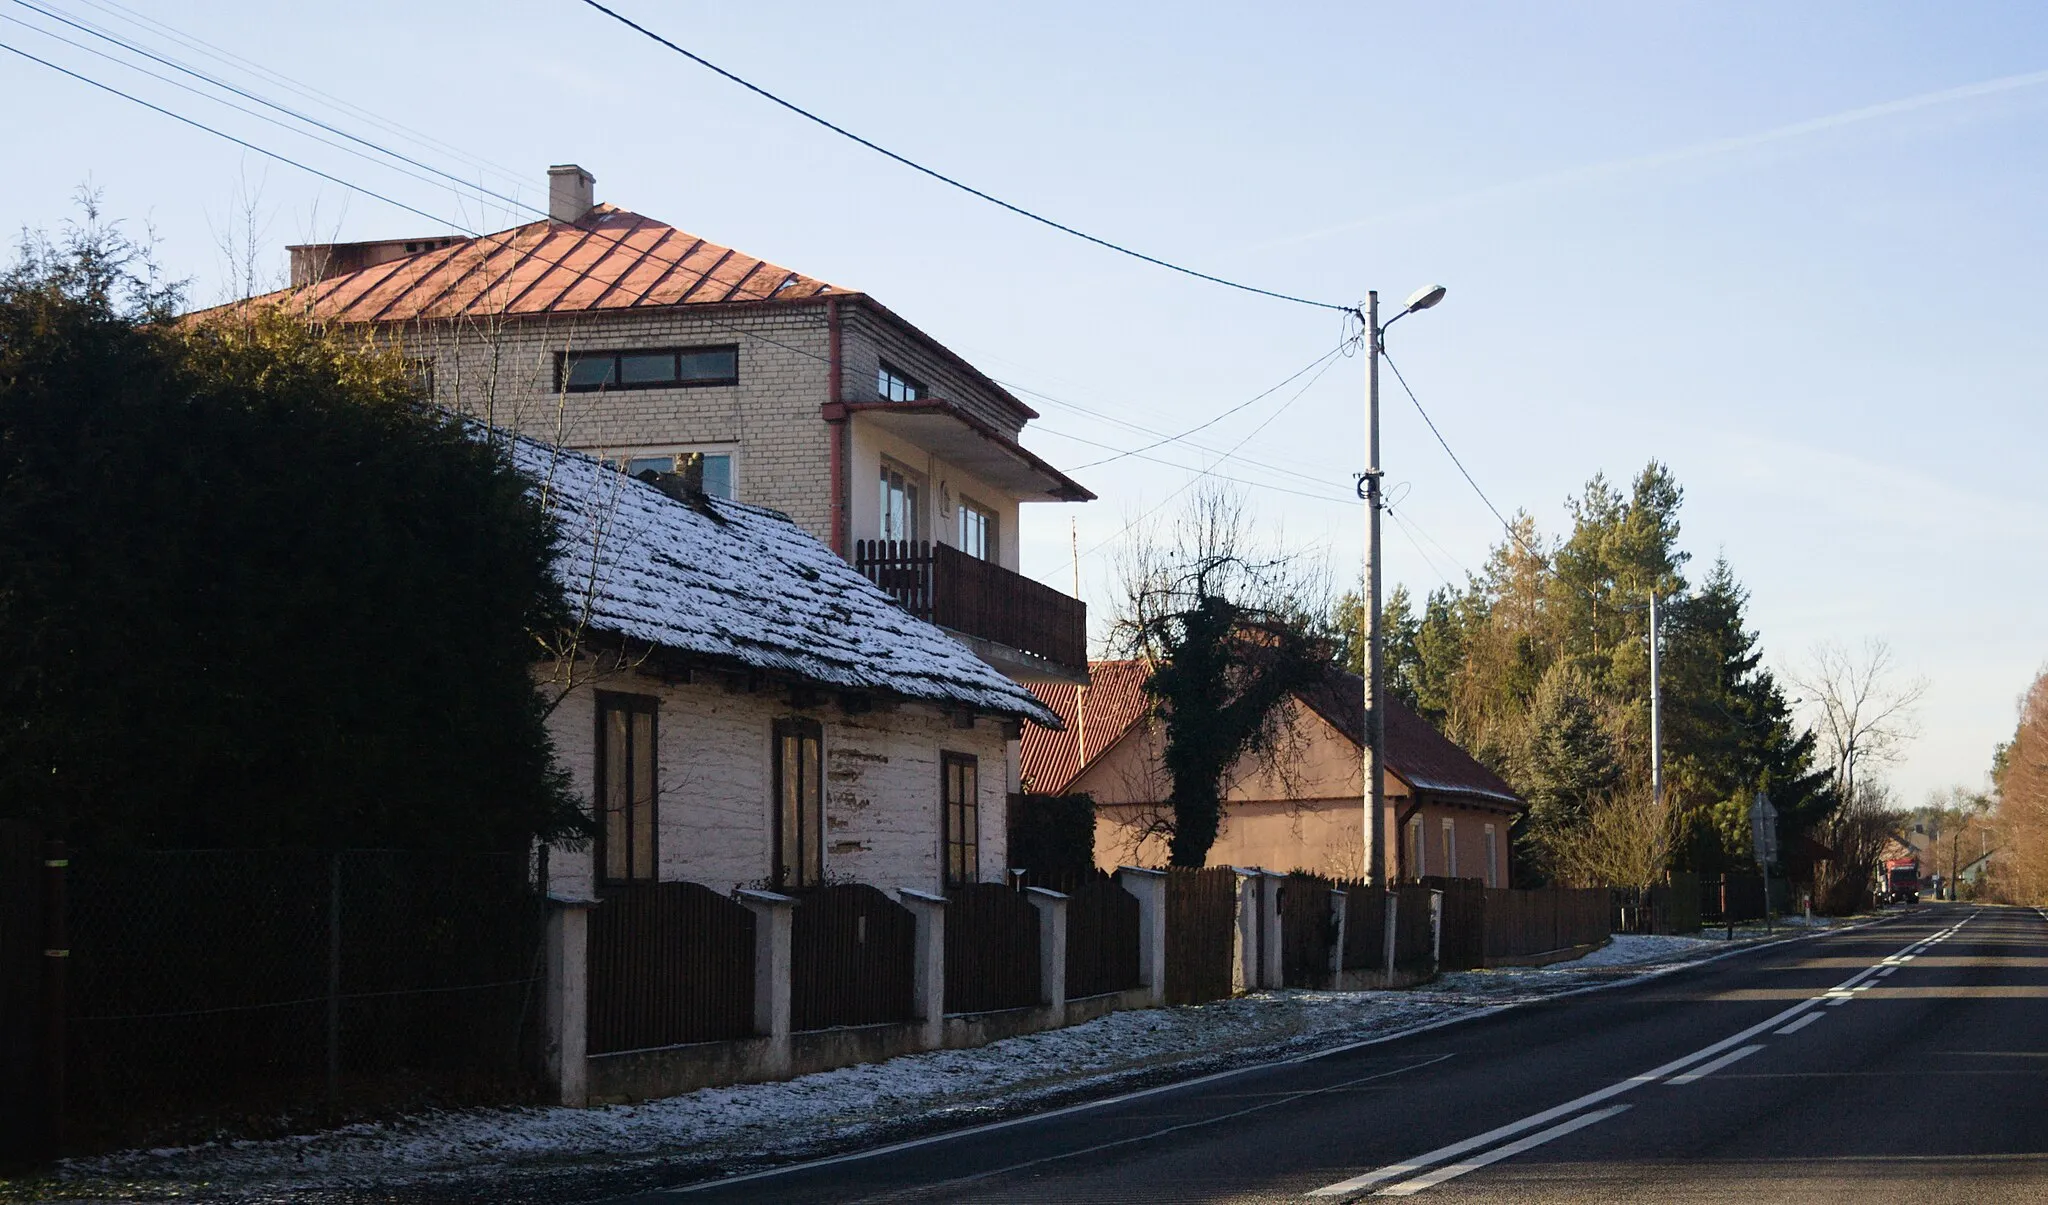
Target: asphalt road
x=1902, y=1061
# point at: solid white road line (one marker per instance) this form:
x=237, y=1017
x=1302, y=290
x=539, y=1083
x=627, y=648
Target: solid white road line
x=1800, y=1024
x=1408, y=1188
x=1700, y=1073
x=1408, y=1167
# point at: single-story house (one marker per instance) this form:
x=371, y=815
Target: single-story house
x=1446, y=814
x=745, y=709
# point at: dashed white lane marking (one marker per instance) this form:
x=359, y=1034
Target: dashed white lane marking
x=1800, y=1024
x=1408, y=1188
x=1700, y=1073
x=1840, y=994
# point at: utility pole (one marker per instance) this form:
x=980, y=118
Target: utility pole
x=1656, y=708
x=1375, y=639
x=1374, y=754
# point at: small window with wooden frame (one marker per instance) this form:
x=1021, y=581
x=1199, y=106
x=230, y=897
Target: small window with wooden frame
x=960, y=817
x=628, y=772
x=798, y=853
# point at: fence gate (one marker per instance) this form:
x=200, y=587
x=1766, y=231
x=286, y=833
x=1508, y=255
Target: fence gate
x=1201, y=929
x=1463, y=936
x=1307, y=931
x=1365, y=926
x=23, y=1118
x=851, y=952
x=669, y=963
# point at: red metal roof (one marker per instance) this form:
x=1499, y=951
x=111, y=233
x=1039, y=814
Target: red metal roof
x=610, y=259
x=1116, y=699
x=1417, y=753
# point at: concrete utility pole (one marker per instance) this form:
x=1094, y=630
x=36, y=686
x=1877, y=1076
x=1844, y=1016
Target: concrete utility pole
x=1375, y=640
x=1656, y=708
x=1374, y=754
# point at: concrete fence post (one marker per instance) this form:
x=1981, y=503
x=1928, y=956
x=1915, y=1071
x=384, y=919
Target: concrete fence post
x=1271, y=971
x=772, y=971
x=1339, y=920
x=1149, y=887
x=1390, y=928
x=1436, y=931
x=566, y=1045
x=1244, y=945
x=1052, y=945
x=928, y=971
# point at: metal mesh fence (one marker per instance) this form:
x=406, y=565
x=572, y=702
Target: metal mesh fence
x=254, y=991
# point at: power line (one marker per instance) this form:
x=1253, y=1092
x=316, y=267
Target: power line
x=1141, y=429
x=221, y=55
x=267, y=103
x=1324, y=361
x=941, y=177
x=1264, y=485
x=1220, y=417
x=1329, y=359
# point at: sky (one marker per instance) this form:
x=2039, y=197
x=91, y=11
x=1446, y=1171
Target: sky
x=1794, y=252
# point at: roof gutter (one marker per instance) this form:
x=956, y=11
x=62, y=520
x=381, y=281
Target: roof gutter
x=837, y=429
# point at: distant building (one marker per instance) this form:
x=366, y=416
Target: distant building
x=1446, y=814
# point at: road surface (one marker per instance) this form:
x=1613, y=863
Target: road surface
x=1901, y=1061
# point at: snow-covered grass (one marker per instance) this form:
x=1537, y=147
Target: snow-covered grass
x=750, y=1123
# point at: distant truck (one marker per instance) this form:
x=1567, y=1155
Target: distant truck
x=1902, y=881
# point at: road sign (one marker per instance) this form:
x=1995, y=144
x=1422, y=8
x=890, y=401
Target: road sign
x=1763, y=830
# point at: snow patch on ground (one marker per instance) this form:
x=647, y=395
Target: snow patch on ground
x=753, y=1123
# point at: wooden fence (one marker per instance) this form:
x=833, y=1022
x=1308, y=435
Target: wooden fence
x=1308, y=930
x=1413, y=945
x=669, y=963
x=1462, y=939
x=852, y=952
x=1365, y=926
x=24, y=1115
x=1522, y=923
x=1102, y=937
x=991, y=949
x=1201, y=930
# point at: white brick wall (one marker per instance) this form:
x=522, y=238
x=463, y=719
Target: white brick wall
x=882, y=785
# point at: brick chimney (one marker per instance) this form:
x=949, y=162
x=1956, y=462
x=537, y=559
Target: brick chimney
x=570, y=192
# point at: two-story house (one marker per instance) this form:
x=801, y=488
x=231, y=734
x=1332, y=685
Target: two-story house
x=621, y=336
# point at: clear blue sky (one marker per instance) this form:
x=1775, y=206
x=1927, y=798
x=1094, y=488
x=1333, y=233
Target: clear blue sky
x=1795, y=251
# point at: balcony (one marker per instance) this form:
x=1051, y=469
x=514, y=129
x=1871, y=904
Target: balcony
x=984, y=601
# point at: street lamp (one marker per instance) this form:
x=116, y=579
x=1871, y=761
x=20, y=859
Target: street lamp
x=1375, y=751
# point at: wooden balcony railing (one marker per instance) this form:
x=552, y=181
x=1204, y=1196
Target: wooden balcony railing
x=942, y=584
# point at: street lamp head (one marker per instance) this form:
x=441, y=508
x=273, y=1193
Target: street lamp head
x=1424, y=298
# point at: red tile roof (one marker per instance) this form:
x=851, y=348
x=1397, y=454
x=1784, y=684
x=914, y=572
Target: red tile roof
x=1417, y=753
x=1116, y=700
x=610, y=259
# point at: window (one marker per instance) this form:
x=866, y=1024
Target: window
x=1416, y=869
x=977, y=530
x=1492, y=857
x=961, y=818
x=657, y=368
x=896, y=385
x=705, y=472
x=799, y=804
x=899, y=504
x=1450, y=848
x=626, y=774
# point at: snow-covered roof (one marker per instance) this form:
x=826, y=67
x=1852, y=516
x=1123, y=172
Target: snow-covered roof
x=744, y=585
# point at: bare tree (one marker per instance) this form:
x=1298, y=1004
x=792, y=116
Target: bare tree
x=1856, y=831
x=1231, y=628
x=1862, y=713
x=2021, y=867
x=1625, y=840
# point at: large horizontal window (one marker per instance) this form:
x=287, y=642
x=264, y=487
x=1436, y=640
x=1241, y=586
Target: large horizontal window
x=655, y=368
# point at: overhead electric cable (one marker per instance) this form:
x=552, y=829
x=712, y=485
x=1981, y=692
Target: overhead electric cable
x=227, y=57
x=1264, y=485
x=268, y=103
x=1323, y=361
x=941, y=177
x=1304, y=369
